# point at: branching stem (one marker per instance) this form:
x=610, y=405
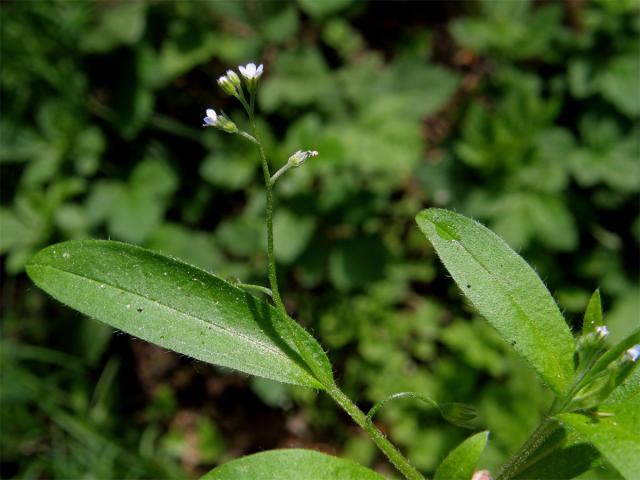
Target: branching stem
x=391, y=452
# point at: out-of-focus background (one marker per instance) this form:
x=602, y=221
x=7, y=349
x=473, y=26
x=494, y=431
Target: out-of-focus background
x=522, y=114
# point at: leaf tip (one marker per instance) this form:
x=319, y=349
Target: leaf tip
x=437, y=221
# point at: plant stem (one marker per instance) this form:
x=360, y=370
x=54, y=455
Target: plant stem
x=392, y=453
x=277, y=175
x=522, y=458
x=273, y=279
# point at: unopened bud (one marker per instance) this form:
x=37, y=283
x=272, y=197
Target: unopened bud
x=600, y=386
x=300, y=156
x=590, y=347
x=234, y=78
x=459, y=414
x=227, y=86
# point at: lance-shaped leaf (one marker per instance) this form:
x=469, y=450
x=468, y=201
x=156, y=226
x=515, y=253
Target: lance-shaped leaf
x=176, y=306
x=291, y=463
x=616, y=437
x=505, y=290
x=462, y=460
x=593, y=314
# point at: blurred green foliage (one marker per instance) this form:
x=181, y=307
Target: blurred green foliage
x=522, y=115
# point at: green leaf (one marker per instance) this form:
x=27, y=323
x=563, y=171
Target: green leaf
x=117, y=24
x=292, y=234
x=291, y=463
x=506, y=291
x=176, y=306
x=616, y=437
x=317, y=9
x=564, y=454
x=593, y=314
x=619, y=83
x=461, y=461
x=356, y=262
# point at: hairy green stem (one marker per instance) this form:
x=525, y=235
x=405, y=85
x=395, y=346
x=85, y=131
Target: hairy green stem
x=273, y=279
x=392, y=453
x=523, y=457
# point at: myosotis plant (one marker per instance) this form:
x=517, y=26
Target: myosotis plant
x=193, y=312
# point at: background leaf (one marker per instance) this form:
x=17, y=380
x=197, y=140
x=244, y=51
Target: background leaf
x=461, y=462
x=290, y=464
x=173, y=305
x=505, y=290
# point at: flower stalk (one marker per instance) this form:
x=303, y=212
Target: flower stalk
x=230, y=84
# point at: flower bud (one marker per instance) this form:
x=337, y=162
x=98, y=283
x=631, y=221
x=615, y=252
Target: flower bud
x=300, y=156
x=227, y=85
x=226, y=125
x=600, y=386
x=590, y=347
x=459, y=414
x=234, y=78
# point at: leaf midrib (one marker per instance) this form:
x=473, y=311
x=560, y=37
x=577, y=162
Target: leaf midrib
x=171, y=308
x=519, y=310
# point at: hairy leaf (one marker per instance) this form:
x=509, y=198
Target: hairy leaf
x=616, y=437
x=461, y=461
x=176, y=306
x=505, y=290
x=564, y=454
x=291, y=463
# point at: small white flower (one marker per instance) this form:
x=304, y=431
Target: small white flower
x=632, y=354
x=219, y=121
x=211, y=119
x=250, y=71
x=602, y=331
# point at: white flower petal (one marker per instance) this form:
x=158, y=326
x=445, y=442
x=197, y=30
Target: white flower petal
x=211, y=113
x=632, y=354
x=259, y=70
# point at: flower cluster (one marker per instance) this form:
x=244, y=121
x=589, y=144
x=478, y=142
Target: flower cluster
x=600, y=372
x=232, y=84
